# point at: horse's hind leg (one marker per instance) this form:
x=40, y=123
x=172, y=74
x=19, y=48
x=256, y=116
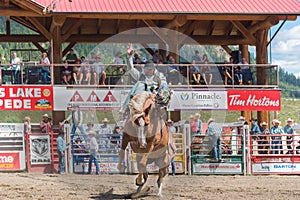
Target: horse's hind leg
x=161, y=174
x=125, y=141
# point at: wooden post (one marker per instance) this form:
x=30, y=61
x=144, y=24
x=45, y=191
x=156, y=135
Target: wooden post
x=262, y=75
x=245, y=54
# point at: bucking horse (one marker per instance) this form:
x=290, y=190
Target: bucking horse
x=149, y=137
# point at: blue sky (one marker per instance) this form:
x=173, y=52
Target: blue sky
x=285, y=47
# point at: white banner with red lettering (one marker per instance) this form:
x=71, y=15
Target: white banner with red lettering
x=253, y=100
x=88, y=99
x=26, y=98
x=215, y=168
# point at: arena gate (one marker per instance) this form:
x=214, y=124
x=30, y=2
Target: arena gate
x=233, y=152
x=274, y=154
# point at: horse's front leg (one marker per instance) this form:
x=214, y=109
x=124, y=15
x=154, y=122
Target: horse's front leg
x=143, y=175
x=125, y=141
x=161, y=174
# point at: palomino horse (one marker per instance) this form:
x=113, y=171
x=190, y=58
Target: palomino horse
x=149, y=137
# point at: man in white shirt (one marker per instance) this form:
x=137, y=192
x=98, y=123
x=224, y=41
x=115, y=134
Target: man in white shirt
x=93, y=147
x=16, y=67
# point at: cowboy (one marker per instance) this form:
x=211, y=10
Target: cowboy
x=276, y=140
x=45, y=124
x=77, y=118
x=93, y=148
x=149, y=80
x=214, y=132
x=288, y=129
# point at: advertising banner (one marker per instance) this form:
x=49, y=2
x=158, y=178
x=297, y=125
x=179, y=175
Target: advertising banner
x=26, y=98
x=216, y=168
x=196, y=99
x=40, y=149
x=10, y=161
x=280, y=168
x=88, y=99
x=254, y=100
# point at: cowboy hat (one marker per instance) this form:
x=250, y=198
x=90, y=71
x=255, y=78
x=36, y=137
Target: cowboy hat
x=45, y=115
x=210, y=120
x=276, y=121
x=191, y=116
x=90, y=123
x=105, y=120
x=264, y=124
x=241, y=118
x=170, y=121
x=150, y=65
x=197, y=115
x=289, y=120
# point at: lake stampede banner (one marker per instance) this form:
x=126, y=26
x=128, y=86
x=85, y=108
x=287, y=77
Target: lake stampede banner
x=26, y=98
x=40, y=149
x=253, y=100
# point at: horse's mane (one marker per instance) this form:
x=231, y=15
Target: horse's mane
x=137, y=104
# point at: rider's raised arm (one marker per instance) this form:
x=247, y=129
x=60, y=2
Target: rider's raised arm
x=129, y=60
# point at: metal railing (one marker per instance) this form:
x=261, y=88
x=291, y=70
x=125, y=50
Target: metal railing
x=211, y=75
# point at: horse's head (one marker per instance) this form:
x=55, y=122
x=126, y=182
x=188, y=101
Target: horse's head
x=140, y=106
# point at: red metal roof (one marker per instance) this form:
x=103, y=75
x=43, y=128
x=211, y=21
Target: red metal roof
x=175, y=6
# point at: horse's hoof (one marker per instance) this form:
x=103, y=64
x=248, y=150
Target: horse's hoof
x=120, y=167
x=143, y=145
x=139, y=184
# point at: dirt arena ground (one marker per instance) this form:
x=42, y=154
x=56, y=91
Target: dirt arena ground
x=53, y=186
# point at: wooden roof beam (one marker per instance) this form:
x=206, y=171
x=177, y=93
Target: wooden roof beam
x=178, y=21
x=211, y=27
x=6, y=3
x=40, y=27
x=23, y=38
x=68, y=48
x=57, y=20
x=17, y=12
x=7, y=23
x=29, y=5
x=244, y=31
x=72, y=29
x=267, y=23
x=38, y=46
x=149, y=49
x=227, y=49
x=156, y=30
x=25, y=23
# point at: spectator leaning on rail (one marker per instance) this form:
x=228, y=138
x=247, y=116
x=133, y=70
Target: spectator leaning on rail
x=263, y=143
x=276, y=140
x=254, y=128
x=288, y=129
x=45, y=125
x=77, y=118
x=214, y=132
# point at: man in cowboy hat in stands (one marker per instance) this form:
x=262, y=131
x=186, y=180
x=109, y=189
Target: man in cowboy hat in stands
x=105, y=129
x=276, y=130
x=45, y=124
x=77, y=118
x=288, y=129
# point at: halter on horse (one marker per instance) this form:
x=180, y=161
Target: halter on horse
x=149, y=137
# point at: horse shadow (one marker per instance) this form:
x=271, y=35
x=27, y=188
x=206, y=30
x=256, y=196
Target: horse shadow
x=109, y=195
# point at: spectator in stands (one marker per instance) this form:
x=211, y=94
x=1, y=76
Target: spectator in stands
x=288, y=129
x=118, y=60
x=246, y=72
x=45, y=125
x=27, y=125
x=66, y=73
x=193, y=126
x=71, y=57
x=174, y=76
x=90, y=127
x=92, y=59
x=99, y=73
x=157, y=58
x=263, y=143
x=195, y=73
x=85, y=71
x=238, y=74
x=206, y=73
x=117, y=137
x=61, y=149
x=170, y=126
x=196, y=59
x=254, y=128
x=198, y=122
x=93, y=148
x=243, y=120
x=276, y=130
x=44, y=70
x=76, y=118
x=16, y=68
x=214, y=132
x=105, y=127
x=75, y=71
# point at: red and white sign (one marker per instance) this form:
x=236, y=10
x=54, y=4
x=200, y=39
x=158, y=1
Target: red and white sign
x=26, y=98
x=9, y=161
x=217, y=168
x=253, y=100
